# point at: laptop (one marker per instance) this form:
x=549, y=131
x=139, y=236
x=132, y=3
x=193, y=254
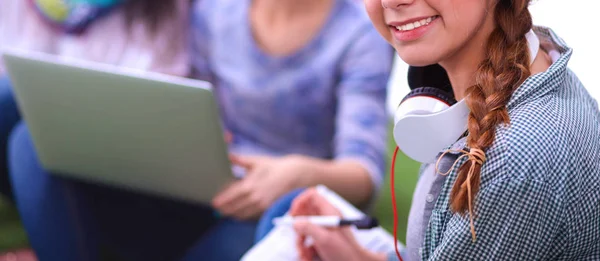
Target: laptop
x=143, y=131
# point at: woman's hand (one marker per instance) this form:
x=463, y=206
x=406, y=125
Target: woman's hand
x=267, y=179
x=329, y=244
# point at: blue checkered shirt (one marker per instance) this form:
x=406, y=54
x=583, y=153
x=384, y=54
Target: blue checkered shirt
x=540, y=186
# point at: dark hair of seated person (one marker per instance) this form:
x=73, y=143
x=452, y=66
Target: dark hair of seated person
x=151, y=12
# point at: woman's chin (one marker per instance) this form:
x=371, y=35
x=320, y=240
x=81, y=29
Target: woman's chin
x=418, y=61
x=417, y=58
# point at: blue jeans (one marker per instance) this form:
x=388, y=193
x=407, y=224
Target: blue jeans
x=278, y=209
x=68, y=220
x=9, y=116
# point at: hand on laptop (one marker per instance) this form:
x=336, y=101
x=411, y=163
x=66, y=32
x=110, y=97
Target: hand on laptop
x=267, y=179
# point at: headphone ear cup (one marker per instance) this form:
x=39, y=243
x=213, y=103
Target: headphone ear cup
x=432, y=92
x=431, y=75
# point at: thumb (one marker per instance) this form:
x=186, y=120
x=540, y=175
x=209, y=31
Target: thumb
x=317, y=233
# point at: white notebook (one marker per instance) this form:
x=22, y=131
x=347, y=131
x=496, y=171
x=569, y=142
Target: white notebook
x=280, y=243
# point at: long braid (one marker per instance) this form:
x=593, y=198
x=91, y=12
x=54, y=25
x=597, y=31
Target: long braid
x=504, y=69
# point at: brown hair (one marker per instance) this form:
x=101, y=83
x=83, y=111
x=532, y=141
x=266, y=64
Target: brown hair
x=151, y=12
x=499, y=74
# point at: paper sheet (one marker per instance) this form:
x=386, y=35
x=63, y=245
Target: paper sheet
x=280, y=243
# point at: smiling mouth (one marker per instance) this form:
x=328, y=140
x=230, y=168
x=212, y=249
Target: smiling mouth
x=415, y=25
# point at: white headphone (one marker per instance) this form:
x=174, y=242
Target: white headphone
x=429, y=119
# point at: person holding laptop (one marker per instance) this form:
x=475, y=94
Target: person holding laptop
x=283, y=101
x=100, y=35
x=145, y=35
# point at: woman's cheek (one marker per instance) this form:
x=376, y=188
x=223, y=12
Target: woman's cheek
x=375, y=11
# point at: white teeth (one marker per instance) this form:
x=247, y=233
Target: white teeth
x=415, y=25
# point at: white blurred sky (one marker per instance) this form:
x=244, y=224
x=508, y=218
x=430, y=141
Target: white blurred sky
x=576, y=21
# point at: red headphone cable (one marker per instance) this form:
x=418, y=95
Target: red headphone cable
x=393, y=192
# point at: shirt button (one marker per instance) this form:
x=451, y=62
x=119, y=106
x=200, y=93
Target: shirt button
x=429, y=198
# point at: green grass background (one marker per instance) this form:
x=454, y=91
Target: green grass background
x=12, y=235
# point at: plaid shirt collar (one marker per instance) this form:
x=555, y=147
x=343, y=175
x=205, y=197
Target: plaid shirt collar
x=542, y=83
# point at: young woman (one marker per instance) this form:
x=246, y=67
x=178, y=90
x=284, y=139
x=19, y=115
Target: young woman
x=290, y=77
x=523, y=183
x=289, y=81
